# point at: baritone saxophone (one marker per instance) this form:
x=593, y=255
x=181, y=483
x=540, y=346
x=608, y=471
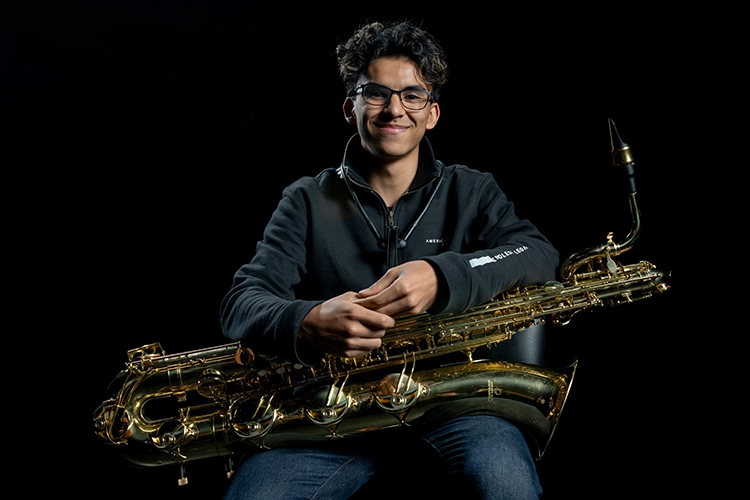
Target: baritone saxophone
x=226, y=400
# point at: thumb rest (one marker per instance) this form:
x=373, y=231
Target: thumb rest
x=225, y=400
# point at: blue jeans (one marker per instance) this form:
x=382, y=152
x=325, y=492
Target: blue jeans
x=477, y=457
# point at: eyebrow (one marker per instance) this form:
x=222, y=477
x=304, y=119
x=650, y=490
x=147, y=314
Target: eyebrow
x=408, y=87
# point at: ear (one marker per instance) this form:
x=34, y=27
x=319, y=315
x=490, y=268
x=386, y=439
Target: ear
x=349, y=115
x=434, y=116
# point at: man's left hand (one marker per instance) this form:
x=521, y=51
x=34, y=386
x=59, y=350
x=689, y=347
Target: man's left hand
x=409, y=288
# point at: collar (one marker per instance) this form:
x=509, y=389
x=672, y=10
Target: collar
x=428, y=169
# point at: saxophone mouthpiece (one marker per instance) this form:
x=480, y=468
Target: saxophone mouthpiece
x=622, y=157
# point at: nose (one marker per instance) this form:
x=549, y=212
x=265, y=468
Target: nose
x=394, y=105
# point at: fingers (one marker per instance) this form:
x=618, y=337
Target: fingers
x=353, y=324
x=410, y=288
x=343, y=328
x=393, y=307
x=355, y=337
x=383, y=283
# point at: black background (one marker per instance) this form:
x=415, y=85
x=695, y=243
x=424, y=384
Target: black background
x=151, y=142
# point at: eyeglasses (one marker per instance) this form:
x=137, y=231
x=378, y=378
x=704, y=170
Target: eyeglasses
x=380, y=95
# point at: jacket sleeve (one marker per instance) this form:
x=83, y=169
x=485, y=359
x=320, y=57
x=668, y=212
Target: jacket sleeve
x=260, y=307
x=502, y=252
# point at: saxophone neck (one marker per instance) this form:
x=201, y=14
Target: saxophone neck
x=603, y=253
x=622, y=159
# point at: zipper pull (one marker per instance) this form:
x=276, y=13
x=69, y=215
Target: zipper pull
x=390, y=217
x=391, y=246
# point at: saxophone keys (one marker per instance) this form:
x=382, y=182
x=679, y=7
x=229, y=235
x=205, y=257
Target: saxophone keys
x=252, y=418
x=212, y=384
x=113, y=423
x=328, y=406
x=397, y=393
x=174, y=434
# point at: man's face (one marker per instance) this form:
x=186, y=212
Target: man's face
x=391, y=132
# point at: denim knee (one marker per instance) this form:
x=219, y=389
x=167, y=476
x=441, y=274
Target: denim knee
x=486, y=457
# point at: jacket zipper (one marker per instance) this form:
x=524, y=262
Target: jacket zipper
x=392, y=242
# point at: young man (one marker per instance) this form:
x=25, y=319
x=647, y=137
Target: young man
x=389, y=232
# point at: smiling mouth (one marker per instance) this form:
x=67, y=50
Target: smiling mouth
x=391, y=128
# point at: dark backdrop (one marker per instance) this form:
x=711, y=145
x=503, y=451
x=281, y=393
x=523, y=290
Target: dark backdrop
x=152, y=141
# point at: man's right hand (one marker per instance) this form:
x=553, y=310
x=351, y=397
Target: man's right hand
x=341, y=327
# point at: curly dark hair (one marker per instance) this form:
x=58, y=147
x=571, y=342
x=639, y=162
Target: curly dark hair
x=395, y=39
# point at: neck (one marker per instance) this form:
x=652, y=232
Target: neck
x=391, y=187
x=392, y=179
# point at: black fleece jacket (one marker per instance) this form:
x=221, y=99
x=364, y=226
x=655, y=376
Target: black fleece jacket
x=329, y=235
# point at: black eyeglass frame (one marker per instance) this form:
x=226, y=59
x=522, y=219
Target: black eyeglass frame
x=360, y=90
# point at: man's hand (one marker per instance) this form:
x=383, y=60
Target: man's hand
x=410, y=288
x=353, y=324
x=342, y=327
